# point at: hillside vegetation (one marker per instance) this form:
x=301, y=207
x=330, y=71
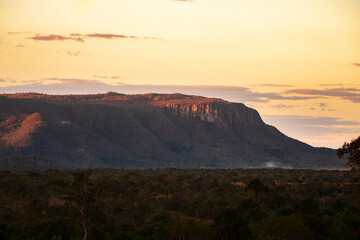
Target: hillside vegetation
x=144, y=131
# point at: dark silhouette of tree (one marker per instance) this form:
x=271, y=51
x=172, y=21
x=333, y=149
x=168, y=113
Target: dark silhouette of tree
x=256, y=186
x=309, y=206
x=352, y=152
x=230, y=224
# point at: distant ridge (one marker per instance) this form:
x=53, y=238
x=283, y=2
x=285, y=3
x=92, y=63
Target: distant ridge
x=146, y=131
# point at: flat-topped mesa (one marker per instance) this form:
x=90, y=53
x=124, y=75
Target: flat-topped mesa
x=212, y=110
x=144, y=131
x=222, y=113
x=137, y=99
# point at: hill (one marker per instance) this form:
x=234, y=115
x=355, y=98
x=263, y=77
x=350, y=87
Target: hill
x=146, y=131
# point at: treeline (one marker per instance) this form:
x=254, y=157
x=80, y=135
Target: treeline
x=179, y=204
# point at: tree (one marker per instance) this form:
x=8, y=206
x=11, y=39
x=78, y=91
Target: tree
x=256, y=186
x=231, y=224
x=352, y=151
x=83, y=197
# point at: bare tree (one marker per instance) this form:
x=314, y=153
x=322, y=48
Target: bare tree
x=83, y=198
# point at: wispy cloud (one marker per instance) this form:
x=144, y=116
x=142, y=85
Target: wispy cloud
x=108, y=36
x=354, y=99
x=271, y=85
x=74, y=53
x=315, y=130
x=80, y=37
x=23, y=32
x=8, y=80
x=331, y=84
x=283, y=106
x=107, y=77
x=53, y=37
x=230, y=93
x=312, y=121
x=322, y=105
x=350, y=94
x=356, y=64
x=278, y=96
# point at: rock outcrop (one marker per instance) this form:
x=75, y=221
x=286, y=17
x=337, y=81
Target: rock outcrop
x=146, y=130
x=225, y=114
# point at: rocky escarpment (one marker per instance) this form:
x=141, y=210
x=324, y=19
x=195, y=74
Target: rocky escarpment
x=145, y=131
x=225, y=114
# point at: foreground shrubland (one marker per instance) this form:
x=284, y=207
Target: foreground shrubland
x=179, y=204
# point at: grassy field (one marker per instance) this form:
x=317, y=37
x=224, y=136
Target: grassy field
x=179, y=204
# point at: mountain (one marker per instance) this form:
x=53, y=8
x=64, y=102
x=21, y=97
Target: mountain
x=144, y=131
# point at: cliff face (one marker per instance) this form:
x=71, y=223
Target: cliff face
x=149, y=130
x=205, y=112
x=225, y=114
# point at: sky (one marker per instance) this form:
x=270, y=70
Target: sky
x=296, y=62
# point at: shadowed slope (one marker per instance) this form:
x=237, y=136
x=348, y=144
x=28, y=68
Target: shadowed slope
x=150, y=130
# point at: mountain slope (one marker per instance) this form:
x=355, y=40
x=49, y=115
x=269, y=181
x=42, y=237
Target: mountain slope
x=150, y=130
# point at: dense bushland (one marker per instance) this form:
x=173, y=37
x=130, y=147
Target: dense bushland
x=179, y=204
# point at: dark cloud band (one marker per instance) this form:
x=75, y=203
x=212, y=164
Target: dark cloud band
x=53, y=37
x=80, y=37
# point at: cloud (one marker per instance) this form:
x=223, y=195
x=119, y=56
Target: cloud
x=8, y=80
x=19, y=46
x=277, y=96
x=77, y=53
x=107, y=77
x=80, y=37
x=315, y=130
x=322, y=105
x=53, y=37
x=356, y=64
x=107, y=36
x=23, y=32
x=49, y=38
x=312, y=121
x=271, y=85
x=82, y=86
x=344, y=93
x=331, y=84
x=283, y=106
x=354, y=99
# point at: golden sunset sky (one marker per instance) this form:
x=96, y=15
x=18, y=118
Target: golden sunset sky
x=295, y=61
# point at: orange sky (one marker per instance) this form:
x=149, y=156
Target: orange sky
x=297, y=62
